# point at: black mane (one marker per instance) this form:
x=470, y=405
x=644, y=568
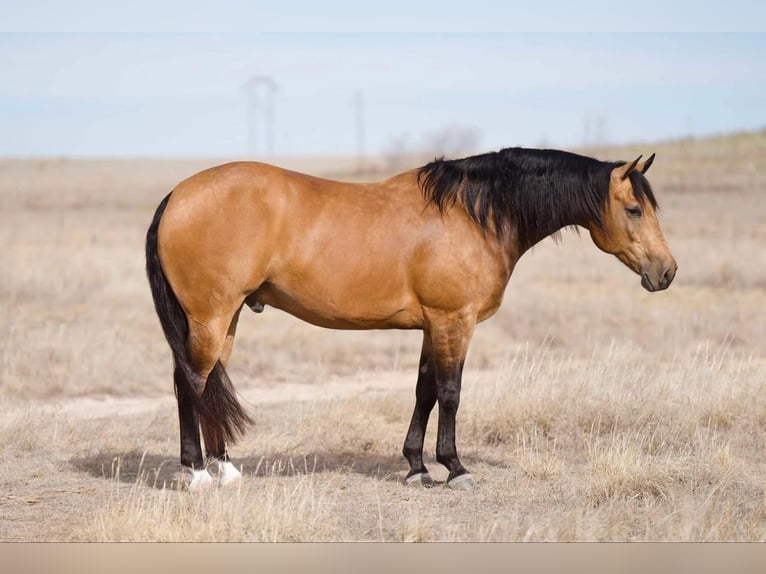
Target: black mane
x=536, y=192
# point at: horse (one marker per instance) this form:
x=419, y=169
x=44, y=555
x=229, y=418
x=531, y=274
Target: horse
x=432, y=249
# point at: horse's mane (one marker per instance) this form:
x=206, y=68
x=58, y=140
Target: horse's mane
x=535, y=192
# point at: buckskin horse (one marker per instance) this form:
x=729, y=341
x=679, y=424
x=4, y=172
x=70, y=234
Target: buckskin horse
x=431, y=249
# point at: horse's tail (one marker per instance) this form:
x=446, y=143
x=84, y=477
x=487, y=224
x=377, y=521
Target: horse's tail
x=217, y=406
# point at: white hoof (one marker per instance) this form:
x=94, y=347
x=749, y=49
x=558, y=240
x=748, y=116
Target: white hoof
x=462, y=482
x=227, y=473
x=199, y=480
x=421, y=479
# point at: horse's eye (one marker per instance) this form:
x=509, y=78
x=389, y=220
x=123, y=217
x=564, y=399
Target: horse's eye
x=634, y=212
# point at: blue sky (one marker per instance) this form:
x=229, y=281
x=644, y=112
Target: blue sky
x=66, y=89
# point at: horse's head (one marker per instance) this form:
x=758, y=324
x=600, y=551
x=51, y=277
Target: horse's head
x=630, y=229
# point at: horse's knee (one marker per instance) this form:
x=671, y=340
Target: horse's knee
x=449, y=398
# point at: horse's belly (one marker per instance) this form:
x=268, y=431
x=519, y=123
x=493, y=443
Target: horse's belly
x=341, y=311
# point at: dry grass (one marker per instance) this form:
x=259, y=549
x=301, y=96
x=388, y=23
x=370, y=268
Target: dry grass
x=592, y=410
x=272, y=510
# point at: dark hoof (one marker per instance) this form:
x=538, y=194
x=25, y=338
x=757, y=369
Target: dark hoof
x=462, y=482
x=421, y=479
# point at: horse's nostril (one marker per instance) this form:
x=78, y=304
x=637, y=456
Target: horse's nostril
x=667, y=276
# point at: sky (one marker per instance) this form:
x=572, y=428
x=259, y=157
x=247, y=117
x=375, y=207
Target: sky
x=116, y=84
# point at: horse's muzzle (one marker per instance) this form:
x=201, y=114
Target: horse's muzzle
x=659, y=281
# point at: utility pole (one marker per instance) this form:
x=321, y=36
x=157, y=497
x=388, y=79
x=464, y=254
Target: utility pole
x=359, y=123
x=260, y=92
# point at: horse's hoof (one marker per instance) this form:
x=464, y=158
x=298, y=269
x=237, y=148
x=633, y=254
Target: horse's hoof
x=421, y=479
x=462, y=482
x=199, y=479
x=228, y=473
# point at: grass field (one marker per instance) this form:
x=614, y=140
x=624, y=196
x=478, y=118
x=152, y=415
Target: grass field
x=592, y=410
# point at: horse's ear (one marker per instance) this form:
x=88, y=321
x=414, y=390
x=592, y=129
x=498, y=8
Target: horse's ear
x=644, y=166
x=621, y=172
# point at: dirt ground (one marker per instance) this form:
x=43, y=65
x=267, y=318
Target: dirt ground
x=592, y=410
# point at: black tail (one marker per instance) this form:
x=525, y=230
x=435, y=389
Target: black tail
x=218, y=406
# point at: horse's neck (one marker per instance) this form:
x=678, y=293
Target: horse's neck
x=516, y=249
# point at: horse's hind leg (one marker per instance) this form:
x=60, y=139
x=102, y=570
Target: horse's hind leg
x=228, y=343
x=215, y=445
x=206, y=342
x=188, y=418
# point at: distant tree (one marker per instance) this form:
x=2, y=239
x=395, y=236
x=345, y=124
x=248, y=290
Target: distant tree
x=396, y=152
x=452, y=140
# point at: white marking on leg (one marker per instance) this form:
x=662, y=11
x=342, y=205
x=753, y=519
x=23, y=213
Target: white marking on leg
x=199, y=479
x=227, y=473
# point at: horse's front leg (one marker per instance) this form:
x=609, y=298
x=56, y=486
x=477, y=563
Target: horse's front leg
x=450, y=336
x=425, y=399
